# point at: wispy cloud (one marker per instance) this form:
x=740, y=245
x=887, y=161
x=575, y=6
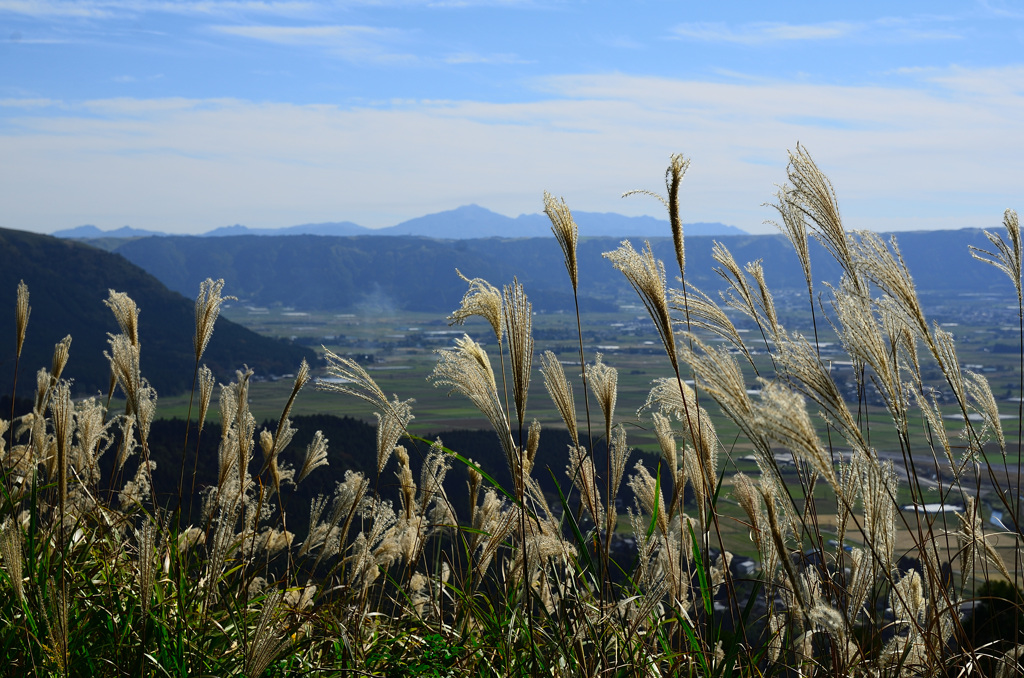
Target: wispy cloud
x=475, y=58
x=764, y=32
x=356, y=43
x=944, y=155
x=772, y=32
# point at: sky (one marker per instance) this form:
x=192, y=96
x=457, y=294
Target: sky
x=182, y=116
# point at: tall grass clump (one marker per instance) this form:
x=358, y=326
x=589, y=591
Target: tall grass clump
x=854, y=574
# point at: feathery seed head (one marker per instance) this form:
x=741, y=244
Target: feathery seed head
x=126, y=313
x=647, y=276
x=794, y=227
x=1007, y=257
x=620, y=454
x=316, y=456
x=519, y=329
x=644, y=486
x=678, y=164
x=11, y=549
x=782, y=416
x=22, y=314
x=467, y=370
x=813, y=195
x=208, y=305
x=560, y=390
x=566, y=232
x=390, y=427
x=532, y=445
x=604, y=381
x=206, y=383
x=60, y=357
x=482, y=299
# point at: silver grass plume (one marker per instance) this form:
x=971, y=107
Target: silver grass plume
x=62, y=409
x=432, y=475
x=667, y=443
x=889, y=271
x=127, y=447
x=862, y=337
x=316, y=456
x=749, y=499
x=12, y=551
x=782, y=416
x=61, y=351
x=581, y=471
x=945, y=355
x=809, y=376
x=764, y=298
x=739, y=295
x=208, y=305
x=351, y=379
x=702, y=312
x=1007, y=257
x=980, y=392
x=560, y=390
x=620, y=454
x=720, y=376
x=482, y=299
x=406, y=484
x=126, y=313
x=566, y=233
x=972, y=543
x=519, y=329
x=674, y=173
x=813, y=195
x=269, y=638
x=206, y=383
x=93, y=439
x=391, y=426
x=21, y=315
x=147, y=535
x=124, y=365
x=678, y=164
x=878, y=490
x=532, y=445
x=650, y=501
x=466, y=369
x=647, y=276
x=698, y=431
x=604, y=383
x=794, y=227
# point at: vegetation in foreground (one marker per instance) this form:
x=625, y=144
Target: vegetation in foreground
x=98, y=581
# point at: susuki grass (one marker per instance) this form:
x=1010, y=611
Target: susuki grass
x=100, y=577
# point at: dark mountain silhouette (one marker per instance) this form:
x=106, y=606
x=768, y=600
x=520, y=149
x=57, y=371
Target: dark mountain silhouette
x=68, y=282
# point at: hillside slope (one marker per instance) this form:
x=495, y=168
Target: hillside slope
x=68, y=282
x=410, y=273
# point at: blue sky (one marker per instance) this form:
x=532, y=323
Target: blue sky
x=184, y=116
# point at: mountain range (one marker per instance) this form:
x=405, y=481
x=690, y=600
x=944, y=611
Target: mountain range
x=373, y=274
x=468, y=221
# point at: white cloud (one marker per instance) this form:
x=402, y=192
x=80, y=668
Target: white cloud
x=770, y=32
x=765, y=32
x=940, y=156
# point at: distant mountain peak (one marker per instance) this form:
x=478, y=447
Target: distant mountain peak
x=460, y=223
